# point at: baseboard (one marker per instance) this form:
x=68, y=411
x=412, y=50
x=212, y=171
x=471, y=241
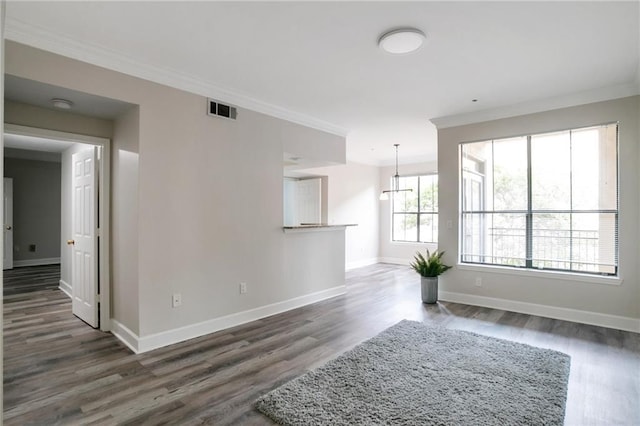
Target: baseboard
x=126, y=336
x=66, y=288
x=566, y=314
x=361, y=263
x=154, y=341
x=36, y=262
x=394, y=260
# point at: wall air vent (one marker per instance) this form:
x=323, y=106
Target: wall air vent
x=221, y=110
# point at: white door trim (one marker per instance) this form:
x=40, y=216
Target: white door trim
x=104, y=205
x=7, y=231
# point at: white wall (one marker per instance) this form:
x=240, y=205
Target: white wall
x=613, y=303
x=399, y=252
x=353, y=191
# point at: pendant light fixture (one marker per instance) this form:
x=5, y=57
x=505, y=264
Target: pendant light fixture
x=395, y=187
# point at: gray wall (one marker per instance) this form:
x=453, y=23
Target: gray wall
x=36, y=208
x=209, y=198
x=615, y=301
x=124, y=220
x=62, y=121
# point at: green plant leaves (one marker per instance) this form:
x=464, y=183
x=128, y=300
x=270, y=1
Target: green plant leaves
x=431, y=266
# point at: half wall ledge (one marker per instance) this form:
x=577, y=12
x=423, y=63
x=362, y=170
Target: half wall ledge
x=315, y=227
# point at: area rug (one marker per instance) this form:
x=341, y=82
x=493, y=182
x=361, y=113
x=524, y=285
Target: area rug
x=413, y=374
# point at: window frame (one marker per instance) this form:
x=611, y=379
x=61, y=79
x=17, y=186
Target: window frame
x=530, y=212
x=417, y=213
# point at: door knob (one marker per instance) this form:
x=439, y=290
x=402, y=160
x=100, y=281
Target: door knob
x=8, y=227
x=71, y=242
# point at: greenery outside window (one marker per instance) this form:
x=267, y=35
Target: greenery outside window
x=414, y=214
x=542, y=201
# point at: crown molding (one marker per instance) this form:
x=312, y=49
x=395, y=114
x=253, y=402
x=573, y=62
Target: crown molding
x=531, y=107
x=40, y=38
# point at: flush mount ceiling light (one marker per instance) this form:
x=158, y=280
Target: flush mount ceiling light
x=396, y=181
x=61, y=103
x=400, y=41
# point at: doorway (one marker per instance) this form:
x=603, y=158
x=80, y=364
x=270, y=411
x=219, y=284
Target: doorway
x=90, y=257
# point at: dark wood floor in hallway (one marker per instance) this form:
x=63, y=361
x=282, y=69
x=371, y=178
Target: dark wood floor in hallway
x=58, y=370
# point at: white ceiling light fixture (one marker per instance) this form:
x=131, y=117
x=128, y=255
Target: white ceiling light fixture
x=401, y=41
x=61, y=103
x=396, y=181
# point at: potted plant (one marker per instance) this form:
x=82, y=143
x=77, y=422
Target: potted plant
x=429, y=268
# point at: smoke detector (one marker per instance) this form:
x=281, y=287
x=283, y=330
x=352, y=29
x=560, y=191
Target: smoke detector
x=61, y=103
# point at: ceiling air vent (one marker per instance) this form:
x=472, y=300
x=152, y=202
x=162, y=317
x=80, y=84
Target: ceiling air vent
x=221, y=110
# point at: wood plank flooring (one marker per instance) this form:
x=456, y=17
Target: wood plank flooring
x=58, y=370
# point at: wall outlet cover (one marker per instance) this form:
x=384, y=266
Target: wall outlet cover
x=176, y=300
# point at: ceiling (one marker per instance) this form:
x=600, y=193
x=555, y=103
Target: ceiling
x=318, y=63
x=40, y=94
x=31, y=143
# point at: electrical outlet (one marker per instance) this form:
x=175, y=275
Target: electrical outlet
x=243, y=288
x=176, y=300
x=478, y=282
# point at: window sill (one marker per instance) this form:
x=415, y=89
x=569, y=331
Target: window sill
x=552, y=275
x=411, y=243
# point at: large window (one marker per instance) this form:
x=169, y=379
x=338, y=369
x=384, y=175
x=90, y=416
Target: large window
x=545, y=201
x=415, y=213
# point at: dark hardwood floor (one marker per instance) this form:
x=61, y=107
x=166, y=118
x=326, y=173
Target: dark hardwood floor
x=58, y=370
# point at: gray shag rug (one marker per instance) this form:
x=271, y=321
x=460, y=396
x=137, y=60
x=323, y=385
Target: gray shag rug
x=413, y=374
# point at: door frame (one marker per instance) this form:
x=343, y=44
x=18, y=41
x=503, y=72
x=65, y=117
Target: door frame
x=7, y=226
x=104, y=234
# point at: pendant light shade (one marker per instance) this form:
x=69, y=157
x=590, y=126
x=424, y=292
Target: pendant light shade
x=395, y=184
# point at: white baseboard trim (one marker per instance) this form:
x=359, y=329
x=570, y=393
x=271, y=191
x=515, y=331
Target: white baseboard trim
x=154, y=341
x=361, y=263
x=566, y=314
x=66, y=288
x=394, y=260
x=36, y=262
x=126, y=336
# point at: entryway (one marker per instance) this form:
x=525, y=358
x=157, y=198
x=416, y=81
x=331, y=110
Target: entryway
x=84, y=252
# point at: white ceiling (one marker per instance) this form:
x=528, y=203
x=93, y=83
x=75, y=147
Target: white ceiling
x=40, y=94
x=31, y=143
x=318, y=62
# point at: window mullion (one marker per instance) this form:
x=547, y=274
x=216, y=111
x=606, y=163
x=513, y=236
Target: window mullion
x=571, y=265
x=418, y=217
x=529, y=216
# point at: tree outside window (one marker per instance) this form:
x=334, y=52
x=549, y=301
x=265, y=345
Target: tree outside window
x=544, y=201
x=415, y=213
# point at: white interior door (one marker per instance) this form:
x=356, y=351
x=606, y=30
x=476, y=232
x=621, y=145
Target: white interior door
x=7, y=208
x=84, y=241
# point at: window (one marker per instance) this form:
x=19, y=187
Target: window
x=545, y=201
x=415, y=213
